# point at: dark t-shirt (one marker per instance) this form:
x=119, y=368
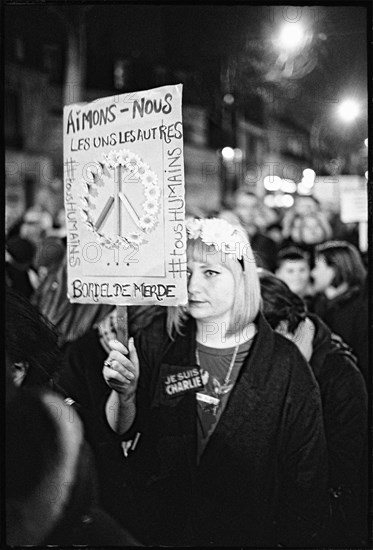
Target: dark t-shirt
x=215, y=364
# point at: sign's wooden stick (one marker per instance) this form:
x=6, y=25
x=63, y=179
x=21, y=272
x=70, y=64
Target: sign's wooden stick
x=122, y=318
x=122, y=321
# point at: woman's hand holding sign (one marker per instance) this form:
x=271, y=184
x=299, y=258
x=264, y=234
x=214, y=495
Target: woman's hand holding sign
x=121, y=369
x=121, y=374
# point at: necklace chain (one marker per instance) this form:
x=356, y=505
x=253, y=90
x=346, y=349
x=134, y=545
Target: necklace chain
x=229, y=372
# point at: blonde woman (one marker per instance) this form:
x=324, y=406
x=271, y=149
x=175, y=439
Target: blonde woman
x=224, y=414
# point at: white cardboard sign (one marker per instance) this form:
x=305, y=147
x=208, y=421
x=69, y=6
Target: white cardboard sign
x=354, y=199
x=125, y=199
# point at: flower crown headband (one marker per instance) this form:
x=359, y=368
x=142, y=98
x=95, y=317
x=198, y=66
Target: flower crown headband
x=218, y=233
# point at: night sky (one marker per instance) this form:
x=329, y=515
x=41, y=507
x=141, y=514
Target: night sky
x=194, y=39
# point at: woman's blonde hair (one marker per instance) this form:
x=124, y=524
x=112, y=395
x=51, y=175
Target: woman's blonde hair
x=247, y=287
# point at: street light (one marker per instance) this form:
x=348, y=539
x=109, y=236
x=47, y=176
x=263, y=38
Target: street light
x=348, y=110
x=291, y=36
x=228, y=154
x=292, y=47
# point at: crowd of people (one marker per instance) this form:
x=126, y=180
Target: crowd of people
x=266, y=445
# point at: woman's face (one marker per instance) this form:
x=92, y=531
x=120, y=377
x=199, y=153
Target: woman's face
x=211, y=289
x=323, y=274
x=312, y=232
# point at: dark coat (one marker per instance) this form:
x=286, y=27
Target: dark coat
x=82, y=380
x=18, y=279
x=344, y=400
x=82, y=520
x=347, y=316
x=94, y=528
x=262, y=479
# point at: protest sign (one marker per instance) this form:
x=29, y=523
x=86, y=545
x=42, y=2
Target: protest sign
x=354, y=199
x=125, y=199
x=354, y=205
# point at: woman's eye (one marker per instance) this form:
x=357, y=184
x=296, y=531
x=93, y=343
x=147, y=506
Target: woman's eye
x=210, y=273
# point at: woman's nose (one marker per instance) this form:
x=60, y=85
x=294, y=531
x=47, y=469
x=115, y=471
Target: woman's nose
x=193, y=283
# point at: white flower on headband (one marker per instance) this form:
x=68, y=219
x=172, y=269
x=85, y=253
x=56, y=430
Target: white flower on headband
x=194, y=228
x=215, y=231
x=218, y=233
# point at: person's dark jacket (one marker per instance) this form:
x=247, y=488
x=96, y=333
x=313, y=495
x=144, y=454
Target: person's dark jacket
x=347, y=316
x=81, y=379
x=344, y=400
x=84, y=521
x=51, y=485
x=18, y=265
x=262, y=479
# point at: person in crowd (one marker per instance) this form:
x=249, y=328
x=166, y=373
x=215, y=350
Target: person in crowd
x=302, y=206
x=339, y=281
x=306, y=231
x=274, y=232
x=49, y=256
x=265, y=217
x=35, y=224
x=33, y=364
x=31, y=342
x=82, y=379
x=12, y=226
x=247, y=208
x=217, y=458
x=293, y=268
x=58, y=228
x=50, y=484
x=344, y=400
x=306, y=204
x=19, y=271
x=71, y=320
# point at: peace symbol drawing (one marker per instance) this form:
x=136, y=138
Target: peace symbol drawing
x=120, y=199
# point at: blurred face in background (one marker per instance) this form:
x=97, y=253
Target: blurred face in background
x=296, y=274
x=246, y=208
x=322, y=274
x=275, y=233
x=305, y=205
x=311, y=230
x=35, y=224
x=265, y=217
x=31, y=230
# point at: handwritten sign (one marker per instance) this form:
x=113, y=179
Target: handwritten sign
x=125, y=199
x=354, y=199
